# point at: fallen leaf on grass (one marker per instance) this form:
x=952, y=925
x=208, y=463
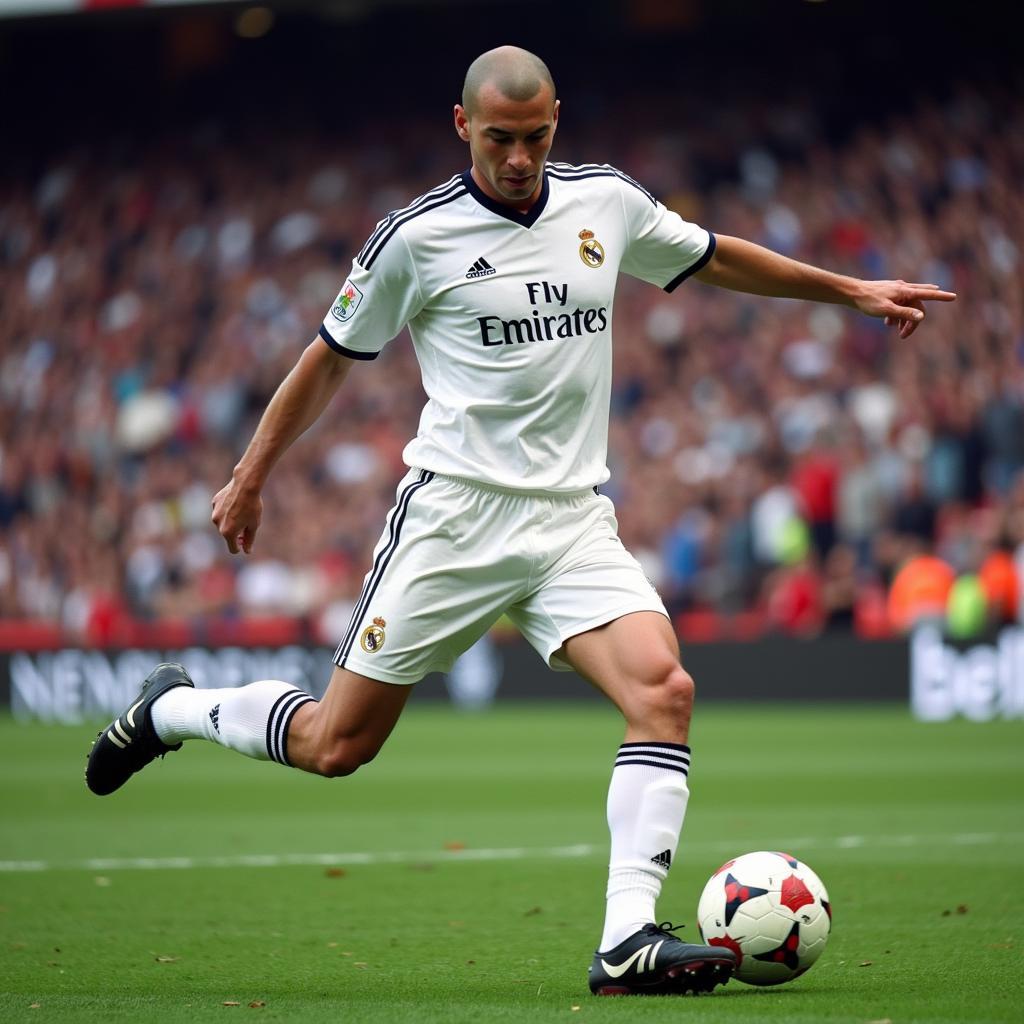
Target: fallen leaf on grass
x=256, y=1004
x=167, y=959
x=961, y=908
x=865, y=963
x=230, y=1002
x=335, y=872
x=454, y=844
x=34, y=1006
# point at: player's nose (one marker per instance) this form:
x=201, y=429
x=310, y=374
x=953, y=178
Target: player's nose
x=519, y=158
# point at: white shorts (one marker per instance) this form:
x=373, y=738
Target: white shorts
x=456, y=555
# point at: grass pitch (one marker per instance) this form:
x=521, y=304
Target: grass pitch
x=460, y=877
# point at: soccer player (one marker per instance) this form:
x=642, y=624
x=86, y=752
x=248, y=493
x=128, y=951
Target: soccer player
x=505, y=275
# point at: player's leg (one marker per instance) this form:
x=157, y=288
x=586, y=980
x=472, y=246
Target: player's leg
x=266, y=720
x=424, y=601
x=256, y=720
x=597, y=613
x=634, y=660
x=346, y=729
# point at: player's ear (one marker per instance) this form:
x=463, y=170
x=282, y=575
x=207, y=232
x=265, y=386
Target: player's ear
x=461, y=122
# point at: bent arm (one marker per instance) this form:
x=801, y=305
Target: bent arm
x=745, y=267
x=298, y=402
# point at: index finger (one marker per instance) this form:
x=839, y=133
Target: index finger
x=931, y=292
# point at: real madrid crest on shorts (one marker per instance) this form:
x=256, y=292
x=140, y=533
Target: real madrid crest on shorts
x=591, y=250
x=372, y=639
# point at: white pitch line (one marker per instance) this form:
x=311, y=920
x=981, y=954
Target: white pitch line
x=577, y=851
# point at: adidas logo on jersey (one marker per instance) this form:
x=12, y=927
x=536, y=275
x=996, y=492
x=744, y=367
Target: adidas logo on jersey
x=663, y=859
x=480, y=269
x=215, y=717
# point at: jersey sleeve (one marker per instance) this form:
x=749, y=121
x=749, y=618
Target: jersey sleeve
x=379, y=297
x=663, y=249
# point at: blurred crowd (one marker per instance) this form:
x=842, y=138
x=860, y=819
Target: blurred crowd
x=767, y=456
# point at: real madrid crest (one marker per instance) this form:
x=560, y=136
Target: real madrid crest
x=372, y=639
x=591, y=250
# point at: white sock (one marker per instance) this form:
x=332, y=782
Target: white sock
x=251, y=719
x=646, y=804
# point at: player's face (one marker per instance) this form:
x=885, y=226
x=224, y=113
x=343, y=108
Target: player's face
x=509, y=141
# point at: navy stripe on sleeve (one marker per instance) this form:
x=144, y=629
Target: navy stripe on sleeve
x=694, y=267
x=341, y=350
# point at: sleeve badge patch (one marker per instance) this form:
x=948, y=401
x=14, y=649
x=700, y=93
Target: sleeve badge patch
x=347, y=302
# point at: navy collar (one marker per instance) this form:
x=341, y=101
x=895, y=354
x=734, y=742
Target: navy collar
x=526, y=220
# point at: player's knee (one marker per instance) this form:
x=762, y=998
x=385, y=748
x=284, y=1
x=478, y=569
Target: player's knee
x=676, y=689
x=667, y=695
x=342, y=758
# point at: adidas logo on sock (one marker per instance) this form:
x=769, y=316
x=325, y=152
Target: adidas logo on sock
x=480, y=269
x=663, y=860
x=215, y=717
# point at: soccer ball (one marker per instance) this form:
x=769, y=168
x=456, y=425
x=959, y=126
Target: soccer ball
x=772, y=911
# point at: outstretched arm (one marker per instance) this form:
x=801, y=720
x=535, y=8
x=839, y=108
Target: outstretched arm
x=746, y=267
x=298, y=402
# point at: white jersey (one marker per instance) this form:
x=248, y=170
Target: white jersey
x=510, y=314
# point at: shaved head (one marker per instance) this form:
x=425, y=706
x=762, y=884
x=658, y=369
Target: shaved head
x=516, y=73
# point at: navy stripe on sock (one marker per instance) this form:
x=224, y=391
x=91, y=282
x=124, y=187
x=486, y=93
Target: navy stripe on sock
x=270, y=721
x=654, y=764
x=682, y=747
x=285, y=721
x=279, y=711
x=670, y=756
x=675, y=758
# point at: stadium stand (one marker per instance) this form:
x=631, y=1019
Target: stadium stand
x=773, y=463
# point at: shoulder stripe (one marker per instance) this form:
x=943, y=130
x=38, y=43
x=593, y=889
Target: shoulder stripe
x=390, y=218
x=569, y=172
x=561, y=165
x=626, y=178
x=370, y=253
